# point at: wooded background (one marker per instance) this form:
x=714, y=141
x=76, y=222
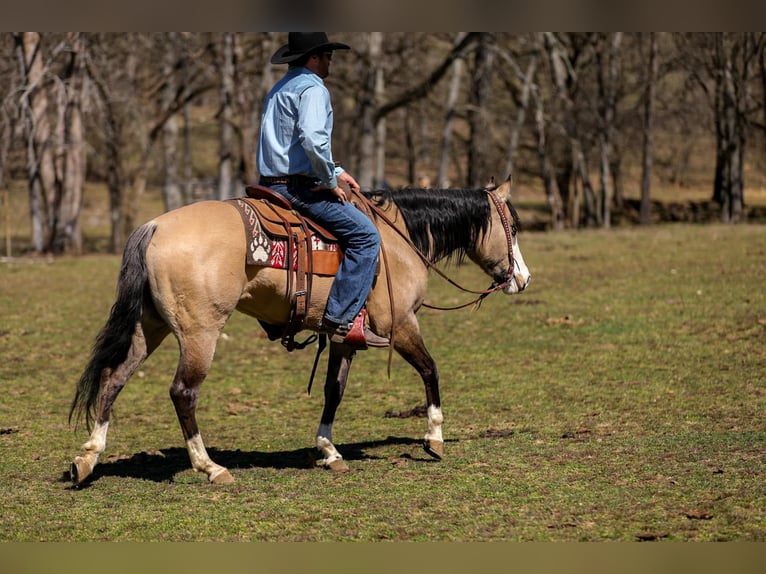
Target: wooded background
x=578, y=116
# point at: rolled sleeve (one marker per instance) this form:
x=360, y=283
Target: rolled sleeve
x=315, y=133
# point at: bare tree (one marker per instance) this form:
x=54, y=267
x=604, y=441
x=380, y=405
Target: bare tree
x=172, y=192
x=480, y=93
x=67, y=233
x=564, y=55
x=550, y=184
x=650, y=88
x=369, y=98
x=414, y=93
x=723, y=66
x=449, y=116
x=112, y=121
x=522, y=95
x=253, y=79
x=607, y=58
x=9, y=116
x=225, y=117
x=38, y=134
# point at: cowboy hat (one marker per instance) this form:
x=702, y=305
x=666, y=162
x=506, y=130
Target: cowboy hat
x=301, y=43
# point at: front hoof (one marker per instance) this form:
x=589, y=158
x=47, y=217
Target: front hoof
x=223, y=477
x=79, y=471
x=338, y=465
x=434, y=447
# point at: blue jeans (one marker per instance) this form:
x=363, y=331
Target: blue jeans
x=357, y=237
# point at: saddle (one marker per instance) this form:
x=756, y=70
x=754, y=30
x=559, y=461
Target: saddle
x=300, y=234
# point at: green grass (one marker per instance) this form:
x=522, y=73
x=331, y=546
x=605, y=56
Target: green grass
x=620, y=398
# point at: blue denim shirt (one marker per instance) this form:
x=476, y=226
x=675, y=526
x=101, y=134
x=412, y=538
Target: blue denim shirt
x=296, y=129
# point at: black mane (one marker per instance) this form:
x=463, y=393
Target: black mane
x=442, y=223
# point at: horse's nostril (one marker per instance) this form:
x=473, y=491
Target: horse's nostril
x=523, y=282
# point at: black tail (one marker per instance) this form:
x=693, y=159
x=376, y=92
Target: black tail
x=114, y=340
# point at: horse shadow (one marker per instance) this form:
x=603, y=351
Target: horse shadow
x=163, y=465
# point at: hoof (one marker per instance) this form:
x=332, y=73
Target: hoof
x=338, y=465
x=434, y=447
x=223, y=477
x=79, y=471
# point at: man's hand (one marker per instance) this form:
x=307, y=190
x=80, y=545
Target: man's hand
x=346, y=178
x=340, y=193
x=346, y=184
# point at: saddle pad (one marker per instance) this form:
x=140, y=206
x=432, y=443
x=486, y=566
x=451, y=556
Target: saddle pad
x=265, y=249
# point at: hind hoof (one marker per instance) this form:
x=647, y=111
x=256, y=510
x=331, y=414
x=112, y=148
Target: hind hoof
x=338, y=465
x=223, y=477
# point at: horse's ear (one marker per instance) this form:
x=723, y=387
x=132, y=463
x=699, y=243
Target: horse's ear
x=491, y=183
x=504, y=191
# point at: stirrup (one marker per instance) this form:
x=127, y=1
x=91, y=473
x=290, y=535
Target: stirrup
x=358, y=335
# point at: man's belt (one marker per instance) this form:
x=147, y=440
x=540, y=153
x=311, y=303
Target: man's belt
x=291, y=180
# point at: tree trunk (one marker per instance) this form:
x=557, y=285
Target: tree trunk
x=372, y=88
x=68, y=235
x=226, y=141
x=6, y=139
x=552, y=193
x=442, y=180
x=409, y=143
x=40, y=161
x=584, y=193
x=172, y=193
x=380, y=140
x=250, y=96
x=478, y=115
x=576, y=176
x=112, y=147
x=650, y=83
x=527, y=85
x=733, y=56
x=762, y=65
x=607, y=76
x=114, y=177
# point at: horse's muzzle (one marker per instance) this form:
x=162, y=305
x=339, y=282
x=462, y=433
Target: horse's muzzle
x=518, y=283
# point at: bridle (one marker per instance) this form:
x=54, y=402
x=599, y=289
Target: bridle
x=510, y=231
x=508, y=228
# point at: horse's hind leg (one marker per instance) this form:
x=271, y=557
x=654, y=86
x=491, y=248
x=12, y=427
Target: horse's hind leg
x=335, y=384
x=111, y=382
x=196, y=357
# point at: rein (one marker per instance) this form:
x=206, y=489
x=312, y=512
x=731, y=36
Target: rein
x=507, y=228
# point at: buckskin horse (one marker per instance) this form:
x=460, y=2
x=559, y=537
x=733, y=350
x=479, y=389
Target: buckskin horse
x=185, y=273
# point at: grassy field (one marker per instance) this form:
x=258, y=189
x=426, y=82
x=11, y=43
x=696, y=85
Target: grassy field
x=622, y=397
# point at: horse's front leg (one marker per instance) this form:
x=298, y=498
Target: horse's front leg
x=413, y=350
x=338, y=366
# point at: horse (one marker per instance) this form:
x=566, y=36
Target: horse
x=185, y=272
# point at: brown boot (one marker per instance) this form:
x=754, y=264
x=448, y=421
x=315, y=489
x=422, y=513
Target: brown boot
x=357, y=335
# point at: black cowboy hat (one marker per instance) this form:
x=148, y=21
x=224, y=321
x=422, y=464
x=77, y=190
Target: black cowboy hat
x=301, y=43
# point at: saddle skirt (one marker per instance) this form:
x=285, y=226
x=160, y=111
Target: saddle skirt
x=273, y=229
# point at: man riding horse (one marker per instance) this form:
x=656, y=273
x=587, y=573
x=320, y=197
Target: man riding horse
x=295, y=160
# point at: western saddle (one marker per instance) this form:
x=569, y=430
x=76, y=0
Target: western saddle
x=281, y=221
